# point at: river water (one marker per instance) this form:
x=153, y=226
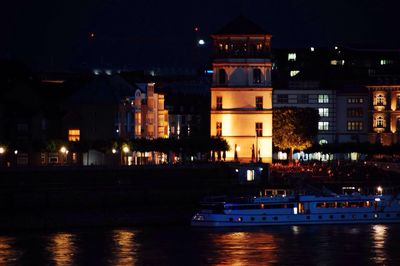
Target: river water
x=177, y=245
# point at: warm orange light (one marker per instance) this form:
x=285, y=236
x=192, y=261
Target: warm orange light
x=74, y=135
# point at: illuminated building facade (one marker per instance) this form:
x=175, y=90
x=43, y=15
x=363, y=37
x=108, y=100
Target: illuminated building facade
x=385, y=114
x=241, y=92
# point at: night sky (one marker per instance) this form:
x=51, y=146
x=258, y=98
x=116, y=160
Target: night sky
x=55, y=35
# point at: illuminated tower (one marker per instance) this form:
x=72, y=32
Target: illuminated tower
x=241, y=93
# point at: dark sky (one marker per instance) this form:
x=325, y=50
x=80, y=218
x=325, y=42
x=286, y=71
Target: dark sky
x=139, y=34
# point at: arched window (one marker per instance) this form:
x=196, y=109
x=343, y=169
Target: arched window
x=222, y=76
x=256, y=75
x=379, y=122
x=380, y=99
x=323, y=141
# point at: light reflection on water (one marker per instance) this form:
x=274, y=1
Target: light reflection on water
x=62, y=248
x=243, y=248
x=123, y=249
x=280, y=245
x=379, y=235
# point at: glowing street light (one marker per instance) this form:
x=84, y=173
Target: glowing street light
x=63, y=150
x=16, y=152
x=380, y=190
x=114, y=151
x=2, y=150
x=202, y=42
x=125, y=149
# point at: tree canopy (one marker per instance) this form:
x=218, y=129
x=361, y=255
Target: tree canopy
x=294, y=128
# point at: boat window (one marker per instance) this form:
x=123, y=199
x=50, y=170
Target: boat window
x=365, y=215
x=252, y=218
x=388, y=215
x=331, y=216
x=308, y=217
x=275, y=218
x=344, y=204
x=260, y=206
x=320, y=217
x=264, y=218
x=231, y=219
x=342, y=216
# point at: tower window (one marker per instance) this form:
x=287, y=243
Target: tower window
x=259, y=102
x=74, y=135
x=219, y=102
x=219, y=129
x=259, y=129
x=256, y=75
x=222, y=76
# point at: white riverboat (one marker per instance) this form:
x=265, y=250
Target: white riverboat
x=301, y=209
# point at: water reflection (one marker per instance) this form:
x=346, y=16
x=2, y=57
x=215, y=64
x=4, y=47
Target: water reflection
x=7, y=252
x=124, y=248
x=62, y=248
x=243, y=248
x=379, y=236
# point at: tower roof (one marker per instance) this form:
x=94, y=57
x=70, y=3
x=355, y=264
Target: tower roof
x=241, y=26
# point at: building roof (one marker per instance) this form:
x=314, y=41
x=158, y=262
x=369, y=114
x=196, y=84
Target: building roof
x=104, y=90
x=241, y=26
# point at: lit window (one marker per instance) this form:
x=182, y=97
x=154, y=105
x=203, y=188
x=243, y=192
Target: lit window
x=294, y=72
x=256, y=75
x=259, y=103
x=386, y=62
x=259, y=129
x=74, y=135
x=323, y=126
x=323, y=98
x=380, y=122
x=354, y=126
x=323, y=112
x=380, y=99
x=250, y=175
x=219, y=103
x=323, y=141
x=337, y=62
x=219, y=129
x=292, y=57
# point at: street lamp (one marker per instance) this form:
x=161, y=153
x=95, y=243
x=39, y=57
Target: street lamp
x=125, y=150
x=2, y=151
x=380, y=190
x=64, y=151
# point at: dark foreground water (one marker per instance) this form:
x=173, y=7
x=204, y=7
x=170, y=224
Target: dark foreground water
x=283, y=245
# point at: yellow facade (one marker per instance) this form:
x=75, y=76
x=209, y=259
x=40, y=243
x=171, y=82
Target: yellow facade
x=241, y=96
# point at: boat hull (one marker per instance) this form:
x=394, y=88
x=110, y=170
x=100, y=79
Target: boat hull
x=223, y=220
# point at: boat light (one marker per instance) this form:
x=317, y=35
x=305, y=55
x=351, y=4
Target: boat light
x=377, y=199
x=237, y=170
x=295, y=210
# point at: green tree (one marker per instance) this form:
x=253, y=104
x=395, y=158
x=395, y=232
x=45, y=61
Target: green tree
x=294, y=128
